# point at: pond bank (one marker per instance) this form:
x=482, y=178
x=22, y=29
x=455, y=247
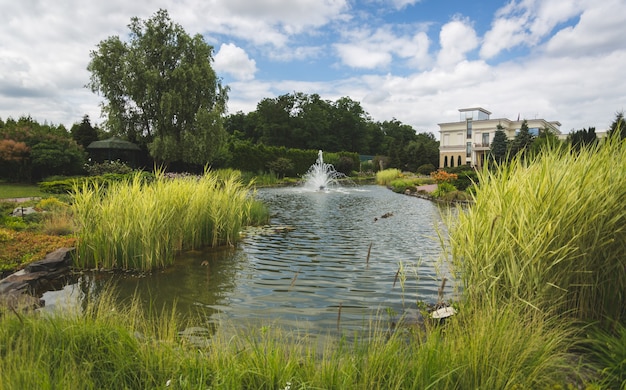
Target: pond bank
x=24, y=288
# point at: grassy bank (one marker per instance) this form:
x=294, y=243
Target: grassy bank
x=118, y=346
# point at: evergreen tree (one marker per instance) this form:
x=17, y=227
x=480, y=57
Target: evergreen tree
x=499, y=146
x=84, y=133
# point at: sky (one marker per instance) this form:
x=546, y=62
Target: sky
x=416, y=61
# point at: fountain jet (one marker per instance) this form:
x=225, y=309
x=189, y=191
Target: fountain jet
x=321, y=176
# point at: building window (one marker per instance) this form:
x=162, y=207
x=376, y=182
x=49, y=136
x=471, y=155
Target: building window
x=445, y=161
x=451, y=161
x=468, y=149
x=459, y=163
x=485, y=139
x=469, y=129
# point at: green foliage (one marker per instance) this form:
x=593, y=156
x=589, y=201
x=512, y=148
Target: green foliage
x=465, y=179
x=401, y=185
x=522, y=142
x=50, y=204
x=66, y=186
x=499, y=149
x=248, y=157
x=30, y=151
x=607, y=352
x=161, y=90
x=540, y=235
x=134, y=224
x=300, y=121
x=385, y=177
x=618, y=127
x=443, y=189
x=426, y=169
x=118, y=167
x=281, y=166
x=110, y=345
x=83, y=133
x=582, y=138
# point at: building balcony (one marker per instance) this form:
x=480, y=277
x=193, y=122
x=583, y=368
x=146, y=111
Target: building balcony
x=481, y=146
x=452, y=148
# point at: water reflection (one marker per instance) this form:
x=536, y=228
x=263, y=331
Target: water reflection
x=309, y=264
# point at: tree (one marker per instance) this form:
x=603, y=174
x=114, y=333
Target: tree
x=161, y=90
x=522, y=141
x=618, y=126
x=546, y=139
x=499, y=146
x=582, y=138
x=14, y=159
x=84, y=133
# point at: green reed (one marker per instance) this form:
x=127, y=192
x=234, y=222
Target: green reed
x=550, y=234
x=385, y=177
x=137, y=225
x=117, y=345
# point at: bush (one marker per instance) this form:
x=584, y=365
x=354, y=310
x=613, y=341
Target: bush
x=443, y=189
x=97, y=169
x=426, y=169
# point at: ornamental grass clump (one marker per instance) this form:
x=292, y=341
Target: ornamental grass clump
x=549, y=234
x=385, y=177
x=137, y=225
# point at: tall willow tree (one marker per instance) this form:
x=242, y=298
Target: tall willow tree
x=161, y=90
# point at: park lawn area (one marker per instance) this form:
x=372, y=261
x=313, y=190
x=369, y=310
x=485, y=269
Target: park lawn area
x=17, y=249
x=19, y=190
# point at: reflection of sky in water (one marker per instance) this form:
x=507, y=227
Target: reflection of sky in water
x=302, y=274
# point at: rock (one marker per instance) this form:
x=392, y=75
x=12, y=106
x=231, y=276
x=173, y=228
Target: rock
x=25, y=284
x=60, y=258
x=22, y=211
x=442, y=313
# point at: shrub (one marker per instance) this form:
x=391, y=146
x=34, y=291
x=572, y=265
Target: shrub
x=52, y=203
x=442, y=176
x=442, y=189
x=426, y=169
x=97, y=169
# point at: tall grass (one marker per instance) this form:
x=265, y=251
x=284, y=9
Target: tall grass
x=112, y=345
x=550, y=234
x=137, y=225
x=385, y=177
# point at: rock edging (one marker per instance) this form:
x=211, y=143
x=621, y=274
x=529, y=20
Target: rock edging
x=22, y=289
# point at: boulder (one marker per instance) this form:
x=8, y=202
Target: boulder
x=22, y=211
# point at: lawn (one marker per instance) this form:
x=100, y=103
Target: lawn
x=14, y=190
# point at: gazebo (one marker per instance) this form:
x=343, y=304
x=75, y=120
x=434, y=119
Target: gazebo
x=113, y=148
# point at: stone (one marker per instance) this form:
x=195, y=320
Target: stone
x=26, y=283
x=22, y=211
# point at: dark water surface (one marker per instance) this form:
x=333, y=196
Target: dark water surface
x=311, y=261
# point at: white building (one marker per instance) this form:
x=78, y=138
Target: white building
x=468, y=141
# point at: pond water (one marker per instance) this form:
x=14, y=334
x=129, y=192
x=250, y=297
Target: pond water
x=329, y=257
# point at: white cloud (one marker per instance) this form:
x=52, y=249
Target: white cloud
x=599, y=30
x=362, y=57
x=456, y=39
x=527, y=23
x=234, y=61
x=376, y=49
x=573, y=73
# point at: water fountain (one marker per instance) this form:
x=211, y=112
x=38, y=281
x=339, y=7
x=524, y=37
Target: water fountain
x=321, y=176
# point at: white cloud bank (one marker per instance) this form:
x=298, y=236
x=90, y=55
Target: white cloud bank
x=539, y=58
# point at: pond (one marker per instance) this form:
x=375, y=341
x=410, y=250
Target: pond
x=330, y=258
